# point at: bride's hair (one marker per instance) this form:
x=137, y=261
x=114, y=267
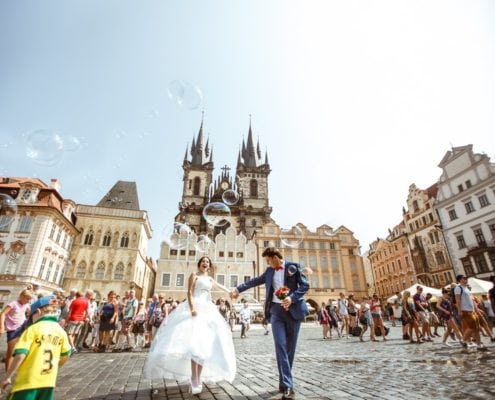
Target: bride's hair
x=202, y=258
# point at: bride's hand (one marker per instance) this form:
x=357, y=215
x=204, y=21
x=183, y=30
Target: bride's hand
x=194, y=313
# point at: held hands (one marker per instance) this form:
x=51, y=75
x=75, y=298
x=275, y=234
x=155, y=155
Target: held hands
x=287, y=302
x=234, y=294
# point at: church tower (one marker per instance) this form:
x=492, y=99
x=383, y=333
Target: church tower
x=198, y=171
x=252, y=185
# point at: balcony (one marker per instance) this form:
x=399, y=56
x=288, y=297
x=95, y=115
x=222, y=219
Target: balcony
x=481, y=247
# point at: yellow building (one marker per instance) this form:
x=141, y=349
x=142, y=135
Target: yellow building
x=110, y=253
x=331, y=255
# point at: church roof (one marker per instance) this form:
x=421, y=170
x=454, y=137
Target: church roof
x=122, y=195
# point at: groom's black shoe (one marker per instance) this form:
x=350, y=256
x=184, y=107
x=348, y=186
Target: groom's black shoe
x=288, y=394
x=281, y=389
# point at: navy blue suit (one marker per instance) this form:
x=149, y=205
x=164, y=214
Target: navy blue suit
x=285, y=324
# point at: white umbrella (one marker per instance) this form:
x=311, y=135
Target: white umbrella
x=479, y=286
x=412, y=290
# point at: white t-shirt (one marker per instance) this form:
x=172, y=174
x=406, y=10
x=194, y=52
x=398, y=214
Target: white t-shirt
x=343, y=307
x=466, y=300
x=489, y=309
x=278, y=282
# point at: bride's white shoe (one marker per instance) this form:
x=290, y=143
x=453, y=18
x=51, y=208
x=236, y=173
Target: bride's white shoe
x=196, y=389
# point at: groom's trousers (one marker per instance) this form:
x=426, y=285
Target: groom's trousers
x=285, y=330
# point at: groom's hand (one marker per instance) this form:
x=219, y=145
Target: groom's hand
x=234, y=294
x=287, y=302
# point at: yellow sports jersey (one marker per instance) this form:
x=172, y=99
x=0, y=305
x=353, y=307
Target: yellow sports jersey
x=44, y=343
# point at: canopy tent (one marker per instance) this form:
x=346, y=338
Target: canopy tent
x=412, y=290
x=479, y=286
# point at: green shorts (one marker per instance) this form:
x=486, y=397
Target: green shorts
x=33, y=394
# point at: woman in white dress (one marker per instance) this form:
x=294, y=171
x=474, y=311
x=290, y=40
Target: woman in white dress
x=194, y=343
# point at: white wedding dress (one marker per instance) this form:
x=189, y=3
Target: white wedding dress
x=205, y=338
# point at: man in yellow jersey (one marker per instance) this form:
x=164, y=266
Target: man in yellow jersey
x=42, y=348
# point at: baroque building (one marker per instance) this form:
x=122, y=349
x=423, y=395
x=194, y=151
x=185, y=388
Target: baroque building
x=35, y=241
x=233, y=259
x=390, y=258
x=466, y=209
x=110, y=252
x=250, y=182
x=426, y=242
x=330, y=259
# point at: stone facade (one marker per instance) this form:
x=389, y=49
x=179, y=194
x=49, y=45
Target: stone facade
x=393, y=270
x=428, y=249
x=110, y=253
x=329, y=257
x=36, y=241
x=233, y=259
x=466, y=208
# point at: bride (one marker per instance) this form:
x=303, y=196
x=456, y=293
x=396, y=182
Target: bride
x=195, y=342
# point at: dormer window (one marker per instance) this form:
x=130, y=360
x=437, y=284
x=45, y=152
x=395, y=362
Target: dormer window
x=28, y=195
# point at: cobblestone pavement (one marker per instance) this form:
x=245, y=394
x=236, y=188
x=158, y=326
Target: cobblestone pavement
x=324, y=369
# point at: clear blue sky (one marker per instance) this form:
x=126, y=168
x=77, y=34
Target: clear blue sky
x=354, y=100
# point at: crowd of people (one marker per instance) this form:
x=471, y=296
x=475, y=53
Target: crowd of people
x=464, y=317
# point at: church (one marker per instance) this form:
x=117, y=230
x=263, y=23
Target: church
x=250, y=182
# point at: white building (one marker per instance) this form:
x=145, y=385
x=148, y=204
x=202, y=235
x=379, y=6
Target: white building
x=233, y=258
x=35, y=242
x=466, y=208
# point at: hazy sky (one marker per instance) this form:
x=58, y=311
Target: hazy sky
x=354, y=100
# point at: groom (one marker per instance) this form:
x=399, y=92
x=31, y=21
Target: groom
x=285, y=315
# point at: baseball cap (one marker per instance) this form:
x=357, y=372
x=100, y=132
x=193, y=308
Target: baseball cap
x=42, y=302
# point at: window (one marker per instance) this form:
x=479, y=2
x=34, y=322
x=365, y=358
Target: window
x=253, y=223
x=239, y=254
x=25, y=223
x=107, y=239
x=469, y=207
x=322, y=246
x=81, y=270
x=468, y=184
x=197, y=184
x=119, y=272
x=439, y=258
x=182, y=253
x=326, y=282
x=165, y=279
x=355, y=283
x=55, y=277
x=266, y=243
x=452, y=214
x=460, y=188
x=480, y=238
x=234, y=281
x=221, y=254
x=332, y=246
x=302, y=261
x=468, y=267
x=221, y=279
x=492, y=259
x=336, y=281
x=231, y=254
x=311, y=245
x=192, y=253
x=314, y=281
x=247, y=278
x=100, y=271
x=124, y=240
x=415, y=206
x=179, y=280
x=173, y=252
x=334, y=262
x=460, y=241
x=312, y=261
x=88, y=240
x=65, y=241
x=52, y=232
x=483, y=200
x=253, y=188
x=351, y=252
x=481, y=263
x=49, y=271
x=492, y=230
x=323, y=262
x=42, y=267
x=58, y=235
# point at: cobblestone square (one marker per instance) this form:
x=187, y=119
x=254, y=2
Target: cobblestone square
x=324, y=369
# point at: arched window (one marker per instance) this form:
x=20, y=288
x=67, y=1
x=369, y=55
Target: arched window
x=88, y=240
x=81, y=270
x=124, y=241
x=100, y=271
x=107, y=239
x=119, y=272
x=415, y=206
x=253, y=188
x=197, y=183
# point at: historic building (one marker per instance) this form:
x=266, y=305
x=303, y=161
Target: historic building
x=37, y=229
x=466, y=208
x=330, y=258
x=368, y=273
x=233, y=257
x=426, y=242
x=110, y=253
x=250, y=182
x=393, y=270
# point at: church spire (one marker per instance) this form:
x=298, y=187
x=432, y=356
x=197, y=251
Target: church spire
x=200, y=152
x=249, y=155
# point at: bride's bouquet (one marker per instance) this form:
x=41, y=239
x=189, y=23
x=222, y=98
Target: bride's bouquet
x=281, y=293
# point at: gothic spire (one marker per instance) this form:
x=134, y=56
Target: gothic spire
x=199, y=152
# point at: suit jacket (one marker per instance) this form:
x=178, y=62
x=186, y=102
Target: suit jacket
x=297, y=283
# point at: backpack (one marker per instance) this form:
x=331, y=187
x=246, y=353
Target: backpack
x=452, y=295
